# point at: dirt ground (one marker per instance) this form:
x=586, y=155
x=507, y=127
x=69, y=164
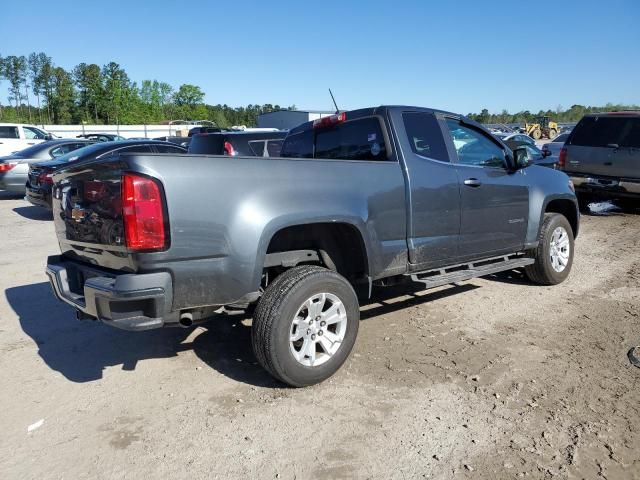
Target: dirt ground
x=494, y=379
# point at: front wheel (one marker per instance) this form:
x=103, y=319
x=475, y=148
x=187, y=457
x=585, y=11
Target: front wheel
x=305, y=325
x=554, y=254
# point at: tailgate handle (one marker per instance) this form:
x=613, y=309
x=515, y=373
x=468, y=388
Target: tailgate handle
x=608, y=164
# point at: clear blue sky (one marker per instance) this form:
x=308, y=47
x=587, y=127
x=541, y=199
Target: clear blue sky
x=456, y=55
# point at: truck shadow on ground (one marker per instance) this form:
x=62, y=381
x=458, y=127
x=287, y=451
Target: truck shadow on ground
x=34, y=213
x=81, y=351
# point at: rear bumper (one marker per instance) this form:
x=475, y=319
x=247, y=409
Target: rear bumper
x=38, y=197
x=122, y=300
x=606, y=186
x=13, y=183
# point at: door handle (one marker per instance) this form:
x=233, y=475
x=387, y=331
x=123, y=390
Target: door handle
x=472, y=182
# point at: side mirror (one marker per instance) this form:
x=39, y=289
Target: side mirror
x=48, y=136
x=546, y=153
x=521, y=157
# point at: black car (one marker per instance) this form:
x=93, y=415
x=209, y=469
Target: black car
x=40, y=181
x=102, y=137
x=251, y=144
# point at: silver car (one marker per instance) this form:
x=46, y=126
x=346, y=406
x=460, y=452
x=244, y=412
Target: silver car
x=14, y=168
x=555, y=146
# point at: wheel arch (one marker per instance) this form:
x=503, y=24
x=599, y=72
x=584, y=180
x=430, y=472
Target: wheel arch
x=566, y=207
x=342, y=244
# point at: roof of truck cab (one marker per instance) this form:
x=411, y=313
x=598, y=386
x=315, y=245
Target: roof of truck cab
x=368, y=111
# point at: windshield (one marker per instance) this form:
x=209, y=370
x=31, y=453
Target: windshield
x=561, y=138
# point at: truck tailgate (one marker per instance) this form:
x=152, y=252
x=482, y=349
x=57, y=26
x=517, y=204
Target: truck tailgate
x=87, y=211
x=603, y=161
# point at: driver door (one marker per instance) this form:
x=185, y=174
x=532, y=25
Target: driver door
x=494, y=199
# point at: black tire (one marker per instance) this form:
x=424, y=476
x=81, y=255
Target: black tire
x=542, y=271
x=536, y=134
x=552, y=134
x=274, y=316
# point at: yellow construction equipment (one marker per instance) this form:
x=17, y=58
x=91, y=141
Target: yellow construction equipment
x=541, y=127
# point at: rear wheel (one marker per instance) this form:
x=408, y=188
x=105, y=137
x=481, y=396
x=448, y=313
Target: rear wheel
x=305, y=325
x=553, y=133
x=554, y=254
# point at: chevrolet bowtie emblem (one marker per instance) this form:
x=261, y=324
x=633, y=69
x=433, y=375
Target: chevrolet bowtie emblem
x=77, y=214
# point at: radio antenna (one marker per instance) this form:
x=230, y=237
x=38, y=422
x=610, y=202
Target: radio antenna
x=334, y=101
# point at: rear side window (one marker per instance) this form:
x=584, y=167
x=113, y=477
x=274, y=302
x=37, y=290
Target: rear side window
x=207, y=144
x=63, y=149
x=135, y=149
x=9, y=132
x=605, y=130
x=298, y=145
x=257, y=147
x=168, y=149
x=360, y=139
x=354, y=140
x=425, y=135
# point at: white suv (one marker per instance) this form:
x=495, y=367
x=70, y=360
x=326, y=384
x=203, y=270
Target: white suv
x=16, y=136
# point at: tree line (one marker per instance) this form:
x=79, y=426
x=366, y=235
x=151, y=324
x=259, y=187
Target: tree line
x=41, y=92
x=560, y=115
x=44, y=93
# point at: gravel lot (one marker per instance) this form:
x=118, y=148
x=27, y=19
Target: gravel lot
x=494, y=379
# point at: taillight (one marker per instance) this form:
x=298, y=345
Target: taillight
x=330, y=121
x=562, y=158
x=6, y=166
x=45, y=178
x=228, y=149
x=143, y=213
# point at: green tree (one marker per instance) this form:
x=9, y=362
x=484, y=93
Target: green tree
x=188, y=96
x=62, y=101
x=88, y=78
x=15, y=71
x=116, y=92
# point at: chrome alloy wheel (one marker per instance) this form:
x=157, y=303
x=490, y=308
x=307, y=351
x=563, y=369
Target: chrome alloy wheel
x=559, y=249
x=318, y=329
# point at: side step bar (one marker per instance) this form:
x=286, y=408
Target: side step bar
x=467, y=271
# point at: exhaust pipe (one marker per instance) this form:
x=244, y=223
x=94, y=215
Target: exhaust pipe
x=186, y=319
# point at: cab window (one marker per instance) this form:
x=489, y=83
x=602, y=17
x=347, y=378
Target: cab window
x=9, y=132
x=475, y=148
x=33, y=133
x=425, y=136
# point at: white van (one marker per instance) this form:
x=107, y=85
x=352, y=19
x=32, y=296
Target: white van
x=16, y=136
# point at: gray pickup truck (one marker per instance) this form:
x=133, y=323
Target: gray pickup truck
x=365, y=198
